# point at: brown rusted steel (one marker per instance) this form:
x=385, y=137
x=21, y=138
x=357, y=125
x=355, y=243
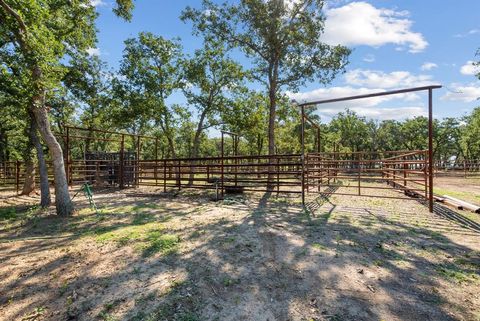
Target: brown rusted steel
x=385, y=93
x=222, y=166
x=122, y=163
x=302, y=138
x=430, y=150
x=67, y=156
x=17, y=176
x=107, y=131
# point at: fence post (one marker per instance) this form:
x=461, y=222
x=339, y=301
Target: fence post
x=302, y=133
x=17, y=176
x=121, y=161
x=156, y=160
x=179, y=179
x=137, y=172
x=164, y=175
x=222, y=166
x=430, y=150
x=359, y=174
x=278, y=176
x=67, y=157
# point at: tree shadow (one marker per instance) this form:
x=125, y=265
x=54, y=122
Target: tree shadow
x=257, y=258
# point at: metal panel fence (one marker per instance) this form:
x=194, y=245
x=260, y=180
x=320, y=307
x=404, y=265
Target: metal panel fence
x=365, y=173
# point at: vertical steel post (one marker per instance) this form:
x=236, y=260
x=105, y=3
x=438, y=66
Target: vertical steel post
x=302, y=133
x=164, y=175
x=137, y=171
x=235, y=146
x=121, y=160
x=221, y=166
x=67, y=157
x=17, y=175
x=278, y=175
x=318, y=140
x=430, y=150
x=359, y=173
x=179, y=176
x=156, y=160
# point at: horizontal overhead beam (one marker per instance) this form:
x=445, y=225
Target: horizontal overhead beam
x=385, y=93
x=106, y=131
x=229, y=133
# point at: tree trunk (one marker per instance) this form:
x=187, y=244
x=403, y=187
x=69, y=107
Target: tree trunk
x=196, y=144
x=271, y=131
x=29, y=184
x=45, y=199
x=63, y=203
x=271, y=119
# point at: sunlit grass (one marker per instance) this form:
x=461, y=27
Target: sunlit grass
x=149, y=238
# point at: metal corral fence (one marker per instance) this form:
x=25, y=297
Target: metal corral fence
x=356, y=174
x=465, y=168
x=365, y=173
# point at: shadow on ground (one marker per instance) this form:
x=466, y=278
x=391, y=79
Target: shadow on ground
x=246, y=258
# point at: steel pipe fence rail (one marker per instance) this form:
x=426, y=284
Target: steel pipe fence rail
x=465, y=168
x=363, y=173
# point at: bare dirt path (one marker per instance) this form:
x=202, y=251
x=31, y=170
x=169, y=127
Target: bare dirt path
x=254, y=257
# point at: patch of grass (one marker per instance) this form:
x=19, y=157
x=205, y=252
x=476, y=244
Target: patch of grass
x=319, y=246
x=456, y=274
x=229, y=282
x=458, y=194
x=148, y=238
x=180, y=305
x=8, y=213
x=160, y=243
x=142, y=218
x=378, y=263
x=152, y=206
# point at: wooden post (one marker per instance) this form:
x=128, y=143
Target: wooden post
x=122, y=161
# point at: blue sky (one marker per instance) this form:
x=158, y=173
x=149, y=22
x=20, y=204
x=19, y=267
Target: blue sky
x=396, y=43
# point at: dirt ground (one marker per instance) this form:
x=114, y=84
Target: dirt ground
x=147, y=256
x=467, y=189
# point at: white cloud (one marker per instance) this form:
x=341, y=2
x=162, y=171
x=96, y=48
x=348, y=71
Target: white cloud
x=380, y=79
x=369, y=107
x=469, y=69
x=369, y=58
x=464, y=93
x=94, y=51
x=428, y=66
x=97, y=3
x=360, y=23
x=468, y=33
x=391, y=113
